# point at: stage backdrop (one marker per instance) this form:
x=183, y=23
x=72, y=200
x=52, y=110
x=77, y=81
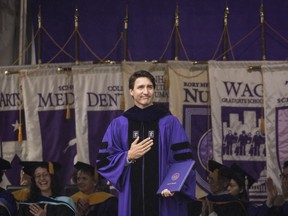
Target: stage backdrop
x=151, y=29
x=67, y=108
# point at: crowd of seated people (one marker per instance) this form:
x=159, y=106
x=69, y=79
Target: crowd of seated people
x=228, y=191
x=229, y=194
x=42, y=196
x=40, y=193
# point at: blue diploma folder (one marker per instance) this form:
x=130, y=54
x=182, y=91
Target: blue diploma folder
x=176, y=176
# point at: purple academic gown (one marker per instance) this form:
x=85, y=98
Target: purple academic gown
x=117, y=171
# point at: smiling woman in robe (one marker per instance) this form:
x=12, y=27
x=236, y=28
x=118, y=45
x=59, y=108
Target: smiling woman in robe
x=44, y=198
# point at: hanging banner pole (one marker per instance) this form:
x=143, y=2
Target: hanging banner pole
x=22, y=31
x=126, y=34
x=263, y=42
x=225, y=33
x=39, y=36
x=76, y=28
x=177, y=33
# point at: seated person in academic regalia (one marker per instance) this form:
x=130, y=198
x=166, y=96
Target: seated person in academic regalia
x=239, y=185
x=219, y=202
x=7, y=202
x=217, y=187
x=89, y=201
x=44, y=197
x=25, y=181
x=276, y=203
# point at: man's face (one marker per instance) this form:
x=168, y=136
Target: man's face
x=284, y=182
x=143, y=92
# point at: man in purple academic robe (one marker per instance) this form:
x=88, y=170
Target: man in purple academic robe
x=137, y=150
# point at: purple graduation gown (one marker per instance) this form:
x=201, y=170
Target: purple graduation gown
x=115, y=147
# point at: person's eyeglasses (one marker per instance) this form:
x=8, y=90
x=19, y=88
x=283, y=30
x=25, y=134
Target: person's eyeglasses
x=44, y=175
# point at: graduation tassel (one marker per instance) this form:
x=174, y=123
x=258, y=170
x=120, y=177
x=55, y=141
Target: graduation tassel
x=68, y=114
x=166, y=81
x=50, y=168
x=122, y=102
x=262, y=124
x=20, y=134
x=262, y=120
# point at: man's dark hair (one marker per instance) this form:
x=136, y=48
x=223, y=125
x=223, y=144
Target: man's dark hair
x=138, y=74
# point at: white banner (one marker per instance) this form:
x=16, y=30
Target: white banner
x=238, y=118
x=189, y=101
x=11, y=118
x=276, y=117
x=48, y=98
x=98, y=93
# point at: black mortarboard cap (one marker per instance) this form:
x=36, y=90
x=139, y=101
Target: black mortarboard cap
x=241, y=176
x=214, y=165
x=29, y=167
x=84, y=166
x=88, y=168
x=218, y=169
x=227, y=172
x=4, y=164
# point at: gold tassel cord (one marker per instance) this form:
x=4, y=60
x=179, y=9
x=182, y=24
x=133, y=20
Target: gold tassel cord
x=20, y=134
x=166, y=81
x=68, y=112
x=262, y=122
x=122, y=102
x=50, y=167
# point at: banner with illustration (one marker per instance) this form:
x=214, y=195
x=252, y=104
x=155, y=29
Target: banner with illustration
x=158, y=70
x=12, y=124
x=276, y=118
x=61, y=112
x=48, y=101
x=238, y=119
x=189, y=101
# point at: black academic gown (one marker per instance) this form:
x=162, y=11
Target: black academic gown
x=100, y=203
x=55, y=206
x=227, y=205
